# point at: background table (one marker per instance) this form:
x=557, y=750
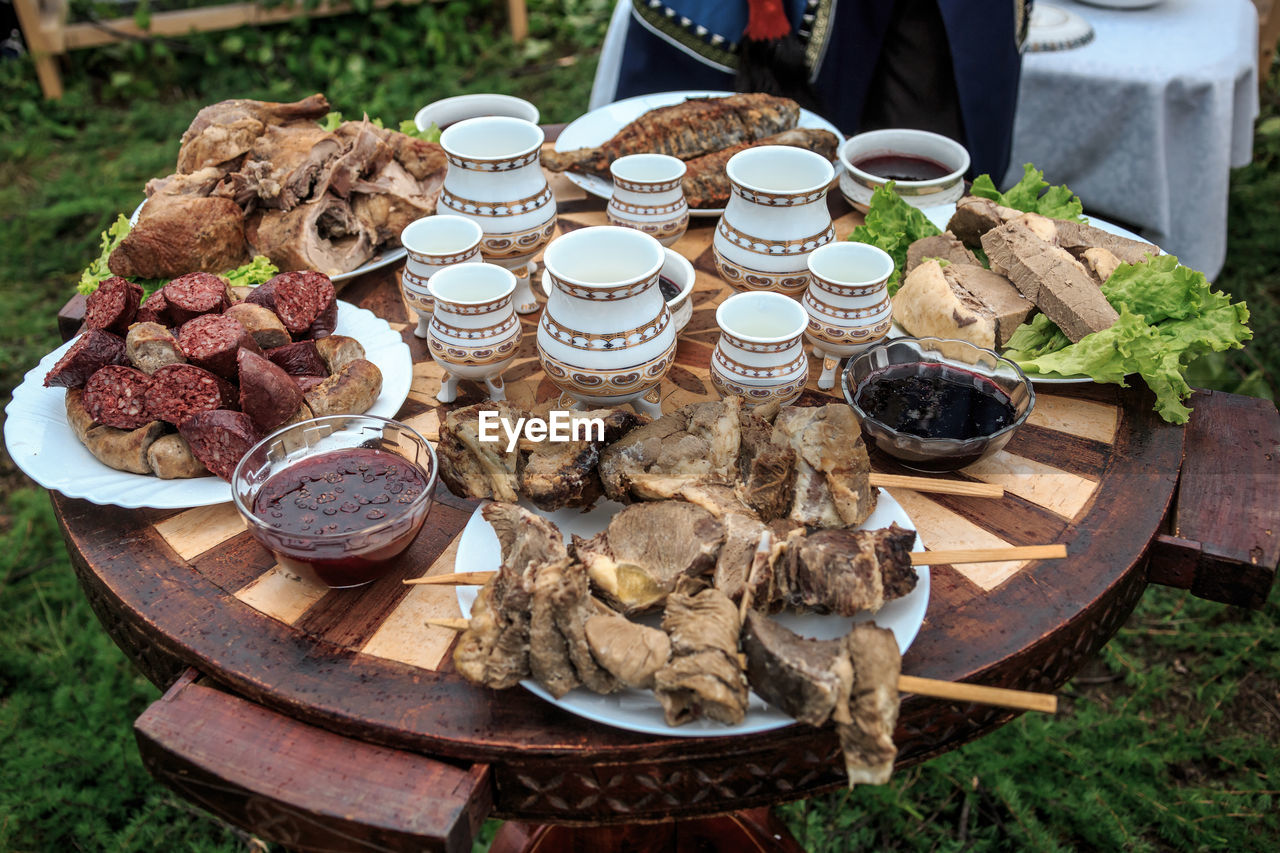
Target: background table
x=333, y=719
x=1146, y=121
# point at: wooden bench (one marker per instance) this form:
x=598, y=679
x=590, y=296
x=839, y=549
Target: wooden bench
x=48, y=35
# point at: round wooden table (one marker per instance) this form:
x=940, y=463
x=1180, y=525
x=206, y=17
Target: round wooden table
x=334, y=719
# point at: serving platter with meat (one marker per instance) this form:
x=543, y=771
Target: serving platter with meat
x=702, y=133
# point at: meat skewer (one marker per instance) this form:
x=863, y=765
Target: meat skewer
x=933, y=688
x=918, y=558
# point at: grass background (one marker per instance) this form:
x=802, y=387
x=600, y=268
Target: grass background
x=1169, y=740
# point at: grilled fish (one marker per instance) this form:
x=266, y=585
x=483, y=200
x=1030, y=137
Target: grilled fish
x=707, y=185
x=686, y=130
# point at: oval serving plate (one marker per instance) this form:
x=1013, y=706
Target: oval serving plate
x=638, y=710
x=44, y=447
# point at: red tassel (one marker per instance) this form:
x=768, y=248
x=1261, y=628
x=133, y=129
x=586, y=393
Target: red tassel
x=766, y=20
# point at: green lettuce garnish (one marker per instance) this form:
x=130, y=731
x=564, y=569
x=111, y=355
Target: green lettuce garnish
x=97, y=271
x=1169, y=317
x=332, y=120
x=893, y=225
x=1033, y=194
x=258, y=271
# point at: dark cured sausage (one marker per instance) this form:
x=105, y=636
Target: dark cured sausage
x=150, y=346
x=91, y=352
x=219, y=438
x=178, y=391
x=212, y=342
x=155, y=310
x=194, y=294
x=268, y=395
x=299, y=359
x=113, y=306
x=306, y=383
x=262, y=323
x=116, y=396
x=306, y=303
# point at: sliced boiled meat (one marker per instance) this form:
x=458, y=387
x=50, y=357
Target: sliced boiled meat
x=178, y=391
x=212, y=342
x=219, y=439
x=113, y=306
x=151, y=346
x=300, y=359
x=194, y=294
x=116, y=396
x=306, y=303
x=268, y=395
x=92, y=351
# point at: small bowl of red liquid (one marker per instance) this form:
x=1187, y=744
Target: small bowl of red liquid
x=937, y=405
x=927, y=168
x=337, y=499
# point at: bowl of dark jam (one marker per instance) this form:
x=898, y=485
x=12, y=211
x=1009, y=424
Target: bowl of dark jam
x=927, y=168
x=337, y=499
x=935, y=404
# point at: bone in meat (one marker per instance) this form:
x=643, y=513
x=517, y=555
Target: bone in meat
x=560, y=474
x=842, y=571
x=832, y=486
x=472, y=468
x=227, y=129
x=323, y=235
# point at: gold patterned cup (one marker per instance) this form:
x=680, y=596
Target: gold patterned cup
x=474, y=330
x=433, y=243
x=760, y=354
x=495, y=178
x=847, y=301
x=606, y=336
x=648, y=195
x=777, y=214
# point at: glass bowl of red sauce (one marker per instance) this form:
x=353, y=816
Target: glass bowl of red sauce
x=337, y=499
x=936, y=404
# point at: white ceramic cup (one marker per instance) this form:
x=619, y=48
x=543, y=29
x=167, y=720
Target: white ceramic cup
x=606, y=336
x=495, y=178
x=449, y=111
x=858, y=186
x=760, y=354
x=474, y=330
x=847, y=301
x=433, y=243
x=648, y=195
x=777, y=214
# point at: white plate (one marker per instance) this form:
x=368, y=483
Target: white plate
x=599, y=125
x=941, y=214
x=47, y=451
x=378, y=261
x=638, y=710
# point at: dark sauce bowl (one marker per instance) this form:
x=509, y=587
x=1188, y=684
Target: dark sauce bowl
x=981, y=368
x=340, y=559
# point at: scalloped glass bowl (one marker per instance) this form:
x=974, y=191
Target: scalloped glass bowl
x=938, y=454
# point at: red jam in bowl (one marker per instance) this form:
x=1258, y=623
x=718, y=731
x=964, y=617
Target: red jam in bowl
x=343, y=514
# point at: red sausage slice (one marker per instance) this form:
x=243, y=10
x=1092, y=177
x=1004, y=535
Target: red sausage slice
x=178, y=391
x=196, y=293
x=219, y=438
x=91, y=352
x=113, y=306
x=299, y=359
x=268, y=395
x=212, y=342
x=306, y=303
x=155, y=310
x=116, y=396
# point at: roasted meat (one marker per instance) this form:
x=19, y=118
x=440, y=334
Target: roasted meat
x=638, y=559
x=706, y=184
x=228, y=129
x=766, y=469
x=704, y=676
x=695, y=444
x=559, y=474
x=472, y=468
x=290, y=164
x=178, y=234
x=387, y=202
x=686, y=130
x=832, y=485
x=866, y=737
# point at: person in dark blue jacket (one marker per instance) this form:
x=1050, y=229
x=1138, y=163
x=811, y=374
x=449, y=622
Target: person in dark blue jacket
x=950, y=66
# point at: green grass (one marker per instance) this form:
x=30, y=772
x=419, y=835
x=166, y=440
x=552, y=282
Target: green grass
x=1170, y=740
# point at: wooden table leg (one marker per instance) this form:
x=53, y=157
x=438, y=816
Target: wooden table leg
x=745, y=831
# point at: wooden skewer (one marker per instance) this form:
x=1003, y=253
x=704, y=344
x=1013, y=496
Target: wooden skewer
x=918, y=558
x=956, y=691
x=941, y=487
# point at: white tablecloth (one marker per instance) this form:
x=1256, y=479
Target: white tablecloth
x=1145, y=121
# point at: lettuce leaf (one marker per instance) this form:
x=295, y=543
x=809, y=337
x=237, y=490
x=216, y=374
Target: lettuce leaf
x=1033, y=194
x=97, y=271
x=258, y=271
x=1169, y=317
x=331, y=121
x=893, y=225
